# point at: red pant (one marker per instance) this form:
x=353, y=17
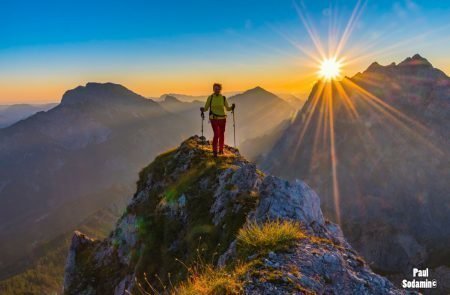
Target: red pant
x=218, y=126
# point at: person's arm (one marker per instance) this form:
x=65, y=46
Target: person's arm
x=208, y=102
x=227, y=107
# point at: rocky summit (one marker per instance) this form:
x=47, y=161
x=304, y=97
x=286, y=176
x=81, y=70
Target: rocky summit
x=204, y=225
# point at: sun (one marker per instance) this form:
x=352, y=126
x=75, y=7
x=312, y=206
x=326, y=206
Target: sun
x=330, y=69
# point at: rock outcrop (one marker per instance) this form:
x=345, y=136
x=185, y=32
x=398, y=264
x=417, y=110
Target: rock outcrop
x=190, y=207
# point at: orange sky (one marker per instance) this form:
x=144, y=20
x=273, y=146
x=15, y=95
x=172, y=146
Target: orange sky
x=294, y=78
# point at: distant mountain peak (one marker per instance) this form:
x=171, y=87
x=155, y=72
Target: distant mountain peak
x=416, y=60
x=258, y=90
x=375, y=66
x=418, y=57
x=171, y=99
x=94, y=92
x=106, y=87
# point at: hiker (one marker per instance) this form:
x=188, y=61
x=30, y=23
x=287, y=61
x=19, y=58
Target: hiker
x=217, y=105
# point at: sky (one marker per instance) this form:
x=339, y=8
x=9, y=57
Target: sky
x=157, y=47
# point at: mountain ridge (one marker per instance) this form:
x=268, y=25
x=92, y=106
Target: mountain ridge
x=94, y=92
x=12, y=114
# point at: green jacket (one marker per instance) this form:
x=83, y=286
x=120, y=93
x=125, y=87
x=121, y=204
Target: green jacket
x=219, y=106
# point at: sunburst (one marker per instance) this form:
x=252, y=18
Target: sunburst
x=330, y=69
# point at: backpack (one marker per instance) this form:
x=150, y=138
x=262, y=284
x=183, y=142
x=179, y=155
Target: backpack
x=210, y=106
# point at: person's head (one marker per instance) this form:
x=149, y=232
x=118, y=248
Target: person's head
x=217, y=88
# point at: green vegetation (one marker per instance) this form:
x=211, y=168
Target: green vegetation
x=157, y=167
x=46, y=274
x=203, y=278
x=165, y=236
x=182, y=184
x=87, y=268
x=258, y=239
x=273, y=236
x=44, y=277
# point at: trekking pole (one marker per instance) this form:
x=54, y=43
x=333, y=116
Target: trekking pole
x=203, y=119
x=234, y=130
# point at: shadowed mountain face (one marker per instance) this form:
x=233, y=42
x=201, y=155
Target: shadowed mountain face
x=293, y=100
x=389, y=181
x=14, y=113
x=192, y=98
x=174, y=105
x=60, y=166
x=258, y=112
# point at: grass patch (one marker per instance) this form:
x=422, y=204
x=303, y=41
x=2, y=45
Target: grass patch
x=202, y=279
x=212, y=281
x=273, y=236
x=255, y=238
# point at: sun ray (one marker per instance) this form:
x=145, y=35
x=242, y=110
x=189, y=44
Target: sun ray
x=309, y=113
x=392, y=48
x=346, y=99
x=386, y=107
x=311, y=31
x=397, y=117
x=317, y=134
x=336, y=195
x=298, y=46
x=356, y=14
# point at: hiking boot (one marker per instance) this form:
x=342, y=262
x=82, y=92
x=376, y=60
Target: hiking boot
x=215, y=154
x=220, y=152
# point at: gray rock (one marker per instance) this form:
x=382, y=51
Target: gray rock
x=79, y=241
x=283, y=200
x=127, y=235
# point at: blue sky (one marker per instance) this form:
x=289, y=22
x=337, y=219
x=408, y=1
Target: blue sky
x=182, y=46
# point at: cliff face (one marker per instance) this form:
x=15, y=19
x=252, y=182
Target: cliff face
x=235, y=229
